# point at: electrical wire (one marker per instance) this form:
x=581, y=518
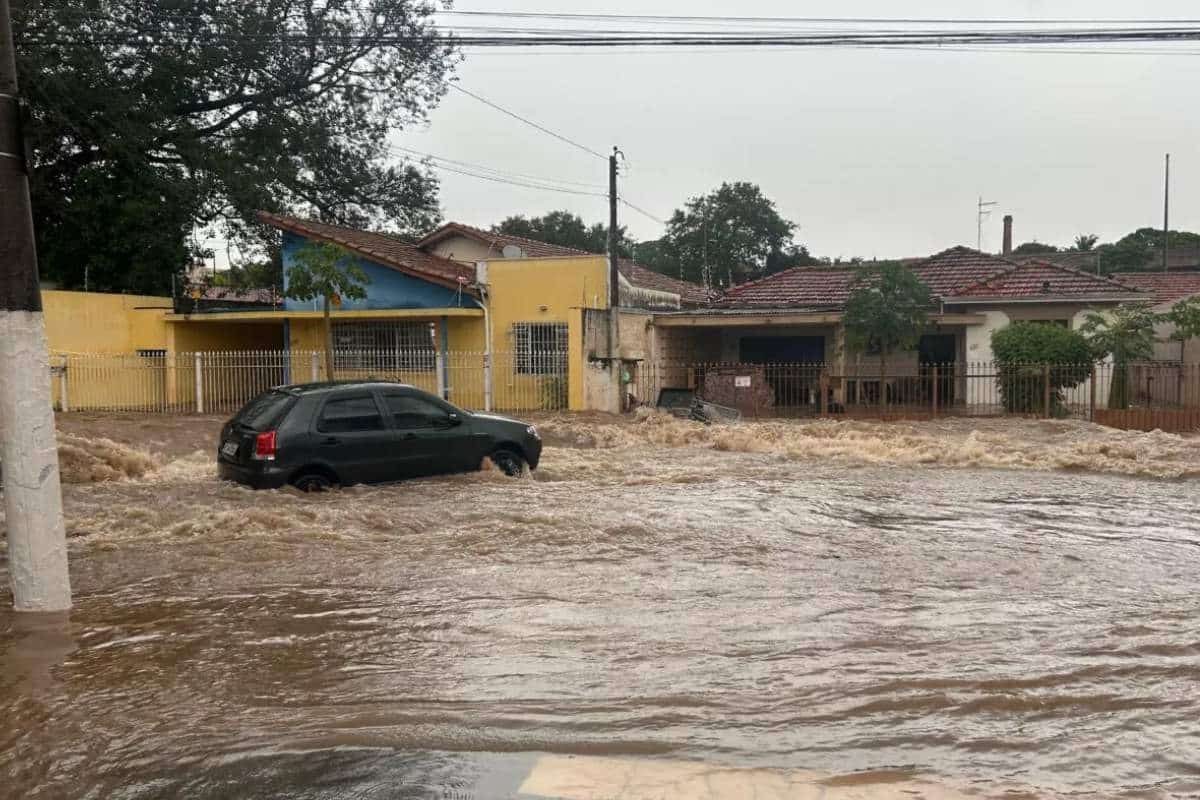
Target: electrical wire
x=528, y=122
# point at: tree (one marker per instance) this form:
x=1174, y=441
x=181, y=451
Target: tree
x=1027, y=352
x=565, y=229
x=728, y=236
x=887, y=309
x=1033, y=248
x=1142, y=249
x=1185, y=316
x=324, y=270
x=1127, y=334
x=1085, y=242
x=148, y=120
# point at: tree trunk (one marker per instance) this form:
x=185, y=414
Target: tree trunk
x=883, y=393
x=328, y=326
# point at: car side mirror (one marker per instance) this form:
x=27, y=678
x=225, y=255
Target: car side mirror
x=453, y=419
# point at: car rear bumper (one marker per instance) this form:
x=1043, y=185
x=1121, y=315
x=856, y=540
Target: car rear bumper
x=262, y=475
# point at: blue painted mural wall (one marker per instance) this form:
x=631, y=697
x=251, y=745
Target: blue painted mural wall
x=388, y=288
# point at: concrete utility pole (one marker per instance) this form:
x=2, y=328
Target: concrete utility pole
x=37, y=542
x=984, y=210
x=614, y=281
x=1166, y=212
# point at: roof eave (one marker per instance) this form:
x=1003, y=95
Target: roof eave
x=1052, y=298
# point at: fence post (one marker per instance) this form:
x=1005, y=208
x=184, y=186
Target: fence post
x=935, y=390
x=1092, y=399
x=1046, y=390
x=824, y=389
x=64, y=387
x=199, y=384
x=487, y=381
x=439, y=364
x=316, y=366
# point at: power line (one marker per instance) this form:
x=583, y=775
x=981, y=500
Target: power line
x=643, y=212
x=493, y=170
x=527, y=185
x=529, y=122
x=822, y=20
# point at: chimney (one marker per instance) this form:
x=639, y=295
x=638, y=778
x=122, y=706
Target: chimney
x=1007, y=251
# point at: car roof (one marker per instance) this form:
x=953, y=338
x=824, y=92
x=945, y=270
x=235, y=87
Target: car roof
x=328, y=386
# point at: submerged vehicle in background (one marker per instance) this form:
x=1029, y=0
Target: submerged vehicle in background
x=321, y=435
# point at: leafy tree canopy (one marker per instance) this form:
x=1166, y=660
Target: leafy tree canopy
x=728, y=236
x=150, y=118
x=324, y=271
x=1125, y=332
x=1185, y=316
x=565, y=229
x=887, y=309
x=1026, y=343
x=1034, y=248
x=1085, y=242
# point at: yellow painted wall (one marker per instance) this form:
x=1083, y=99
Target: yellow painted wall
x=91, y=322
x=538, y=290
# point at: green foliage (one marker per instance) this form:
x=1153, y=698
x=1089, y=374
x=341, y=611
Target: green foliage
x=1127, y=334
x=1142, y=249
x=887, y=310
x=323, y=270
x=1034, y=248
x=729, y=236
x=565, y=229
x=1022, y=350
x=1185, y=316
x=200, y=125
x=1084, y=242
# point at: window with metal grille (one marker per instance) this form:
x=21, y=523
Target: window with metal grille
x=540, y=348
x=397, y=346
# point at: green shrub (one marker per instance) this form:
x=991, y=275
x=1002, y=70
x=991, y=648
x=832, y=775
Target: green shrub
x=1022, y=351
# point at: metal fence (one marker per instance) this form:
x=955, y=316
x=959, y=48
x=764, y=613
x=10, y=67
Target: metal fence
x=221, y=382
x=1144, y=396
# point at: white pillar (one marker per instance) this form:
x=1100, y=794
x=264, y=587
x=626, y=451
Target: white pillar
x=64, y=386
x=199, y=384
x=37, y=539
x=316, y=366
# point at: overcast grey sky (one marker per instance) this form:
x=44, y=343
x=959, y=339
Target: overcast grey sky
x=872, y=152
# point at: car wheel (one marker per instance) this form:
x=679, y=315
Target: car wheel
x=509, y=462
x=313, y=482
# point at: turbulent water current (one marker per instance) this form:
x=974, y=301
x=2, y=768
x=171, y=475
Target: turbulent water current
x=662, y=610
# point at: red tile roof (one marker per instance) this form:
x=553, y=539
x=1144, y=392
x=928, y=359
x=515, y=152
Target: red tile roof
x=1041, y=278
x=643, y=278
x=380, y=248
x=1165, y=287
x=957, y=272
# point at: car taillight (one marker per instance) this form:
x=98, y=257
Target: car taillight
x=264, y=446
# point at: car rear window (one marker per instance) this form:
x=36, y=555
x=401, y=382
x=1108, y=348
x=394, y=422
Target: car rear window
x=264, y=411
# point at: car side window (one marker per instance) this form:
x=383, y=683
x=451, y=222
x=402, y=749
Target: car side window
x=350, y=415
x=410, y=411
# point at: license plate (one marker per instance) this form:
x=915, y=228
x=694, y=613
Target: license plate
x=229, y=449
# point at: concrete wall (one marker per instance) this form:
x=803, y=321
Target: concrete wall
x=91, y=322
x=464, y=249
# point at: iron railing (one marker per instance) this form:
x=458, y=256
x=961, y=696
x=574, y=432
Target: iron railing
x=1149, y=395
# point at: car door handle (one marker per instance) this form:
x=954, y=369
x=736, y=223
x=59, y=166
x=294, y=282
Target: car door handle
x=331, y=440
x=408, y=436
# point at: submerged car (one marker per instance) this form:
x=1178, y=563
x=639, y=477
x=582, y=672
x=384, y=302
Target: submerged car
x=321, y=435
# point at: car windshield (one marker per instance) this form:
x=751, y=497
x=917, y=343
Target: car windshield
x=263, y=411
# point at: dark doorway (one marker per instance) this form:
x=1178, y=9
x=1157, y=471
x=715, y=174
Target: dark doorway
x=792, y=367
x=941, y=351
x=782, y=350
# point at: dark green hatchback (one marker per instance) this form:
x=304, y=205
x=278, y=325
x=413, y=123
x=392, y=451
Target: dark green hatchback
x=320, y=435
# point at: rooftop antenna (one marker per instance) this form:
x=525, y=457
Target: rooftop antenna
x=985, y=211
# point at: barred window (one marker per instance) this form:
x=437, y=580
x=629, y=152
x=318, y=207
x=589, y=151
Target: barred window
x=399, y=346
x=540, y=348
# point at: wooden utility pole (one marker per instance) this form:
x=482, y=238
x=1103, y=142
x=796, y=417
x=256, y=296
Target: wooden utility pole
x=614, y=283
x=37, y=542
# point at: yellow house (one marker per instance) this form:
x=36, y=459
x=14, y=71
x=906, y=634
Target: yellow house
x=488, y=321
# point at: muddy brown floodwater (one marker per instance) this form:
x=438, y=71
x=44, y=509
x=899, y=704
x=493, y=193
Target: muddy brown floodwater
x=1007, y=610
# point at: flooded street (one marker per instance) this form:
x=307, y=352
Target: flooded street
x=843, y=608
